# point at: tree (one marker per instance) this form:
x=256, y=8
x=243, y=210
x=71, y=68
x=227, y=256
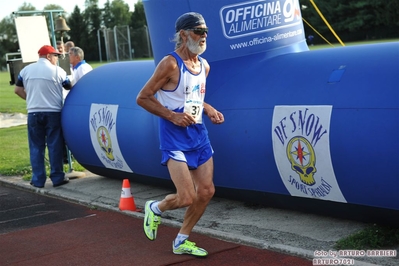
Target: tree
x=8, y=40
x=391, y=14
x=92, y=18
x=139, y=31
x=107, y=15
x=353, y=20
x=78, y=27
x=26, y=7
x=116, y=14
x=8, y=35
x=138, y=19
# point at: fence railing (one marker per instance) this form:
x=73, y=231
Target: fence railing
x=122, y=43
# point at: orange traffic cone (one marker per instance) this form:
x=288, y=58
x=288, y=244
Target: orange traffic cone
x=126, y=202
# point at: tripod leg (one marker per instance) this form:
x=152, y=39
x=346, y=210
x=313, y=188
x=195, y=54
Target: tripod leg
x=69, y=159
x=71, y=173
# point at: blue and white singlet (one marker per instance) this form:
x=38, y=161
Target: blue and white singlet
x=188, y=96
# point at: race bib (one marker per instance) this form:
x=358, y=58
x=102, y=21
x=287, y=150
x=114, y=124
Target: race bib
x=194, y=108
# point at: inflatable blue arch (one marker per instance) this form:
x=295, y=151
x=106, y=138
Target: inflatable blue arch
x=311, y=130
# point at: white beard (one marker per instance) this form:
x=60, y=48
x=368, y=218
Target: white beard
x=194, y=46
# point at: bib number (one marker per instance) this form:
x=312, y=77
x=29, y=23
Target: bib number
x=195, y=110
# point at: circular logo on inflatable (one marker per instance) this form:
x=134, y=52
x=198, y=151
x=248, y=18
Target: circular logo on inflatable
x=104, y=139
x=302, y=157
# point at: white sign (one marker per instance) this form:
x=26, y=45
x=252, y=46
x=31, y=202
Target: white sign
x=32, y=34
x=301, y=147
x=103, y=136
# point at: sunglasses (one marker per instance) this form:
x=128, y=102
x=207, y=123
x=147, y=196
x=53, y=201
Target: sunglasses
x=56, y=55
x=199, y=31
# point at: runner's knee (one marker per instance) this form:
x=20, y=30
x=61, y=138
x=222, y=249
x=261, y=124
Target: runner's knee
x=206, y=193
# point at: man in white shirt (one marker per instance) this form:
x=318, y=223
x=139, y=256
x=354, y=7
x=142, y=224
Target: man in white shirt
x=79, y=66
x=41, y=85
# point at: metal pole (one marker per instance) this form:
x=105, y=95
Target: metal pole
x=148, y=41
x=106, y=43
x=52, y=31
x=116, y=44
x=99, y=45
x=130, y=44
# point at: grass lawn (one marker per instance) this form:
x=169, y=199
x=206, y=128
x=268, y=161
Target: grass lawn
x=9, y=101
x=14, y=152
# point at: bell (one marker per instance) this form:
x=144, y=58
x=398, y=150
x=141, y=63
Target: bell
x=60, y=24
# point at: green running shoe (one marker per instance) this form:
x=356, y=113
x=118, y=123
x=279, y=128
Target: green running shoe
x=190, y=248
x=151, y=221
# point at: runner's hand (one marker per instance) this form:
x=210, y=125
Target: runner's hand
x=182, y=119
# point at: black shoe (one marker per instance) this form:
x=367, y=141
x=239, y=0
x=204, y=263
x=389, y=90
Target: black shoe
x=35, y=185
x=65, y=181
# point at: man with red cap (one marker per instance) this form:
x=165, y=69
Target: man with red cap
x=179, y=82
x=41, y=85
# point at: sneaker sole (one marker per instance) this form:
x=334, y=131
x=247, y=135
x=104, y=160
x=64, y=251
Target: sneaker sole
x=175, y=251
x=145, y=219
x=187, y=253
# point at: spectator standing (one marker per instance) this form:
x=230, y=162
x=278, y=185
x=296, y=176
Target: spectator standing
x=60, y=47
x=41, y=85
x=79, y=66
x=68, y=45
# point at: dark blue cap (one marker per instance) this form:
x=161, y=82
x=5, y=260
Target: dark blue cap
x=188, y=21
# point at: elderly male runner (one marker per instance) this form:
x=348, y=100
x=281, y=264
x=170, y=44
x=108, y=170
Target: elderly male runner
x=179, y=82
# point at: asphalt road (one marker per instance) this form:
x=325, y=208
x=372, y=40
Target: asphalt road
x=21, y=210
